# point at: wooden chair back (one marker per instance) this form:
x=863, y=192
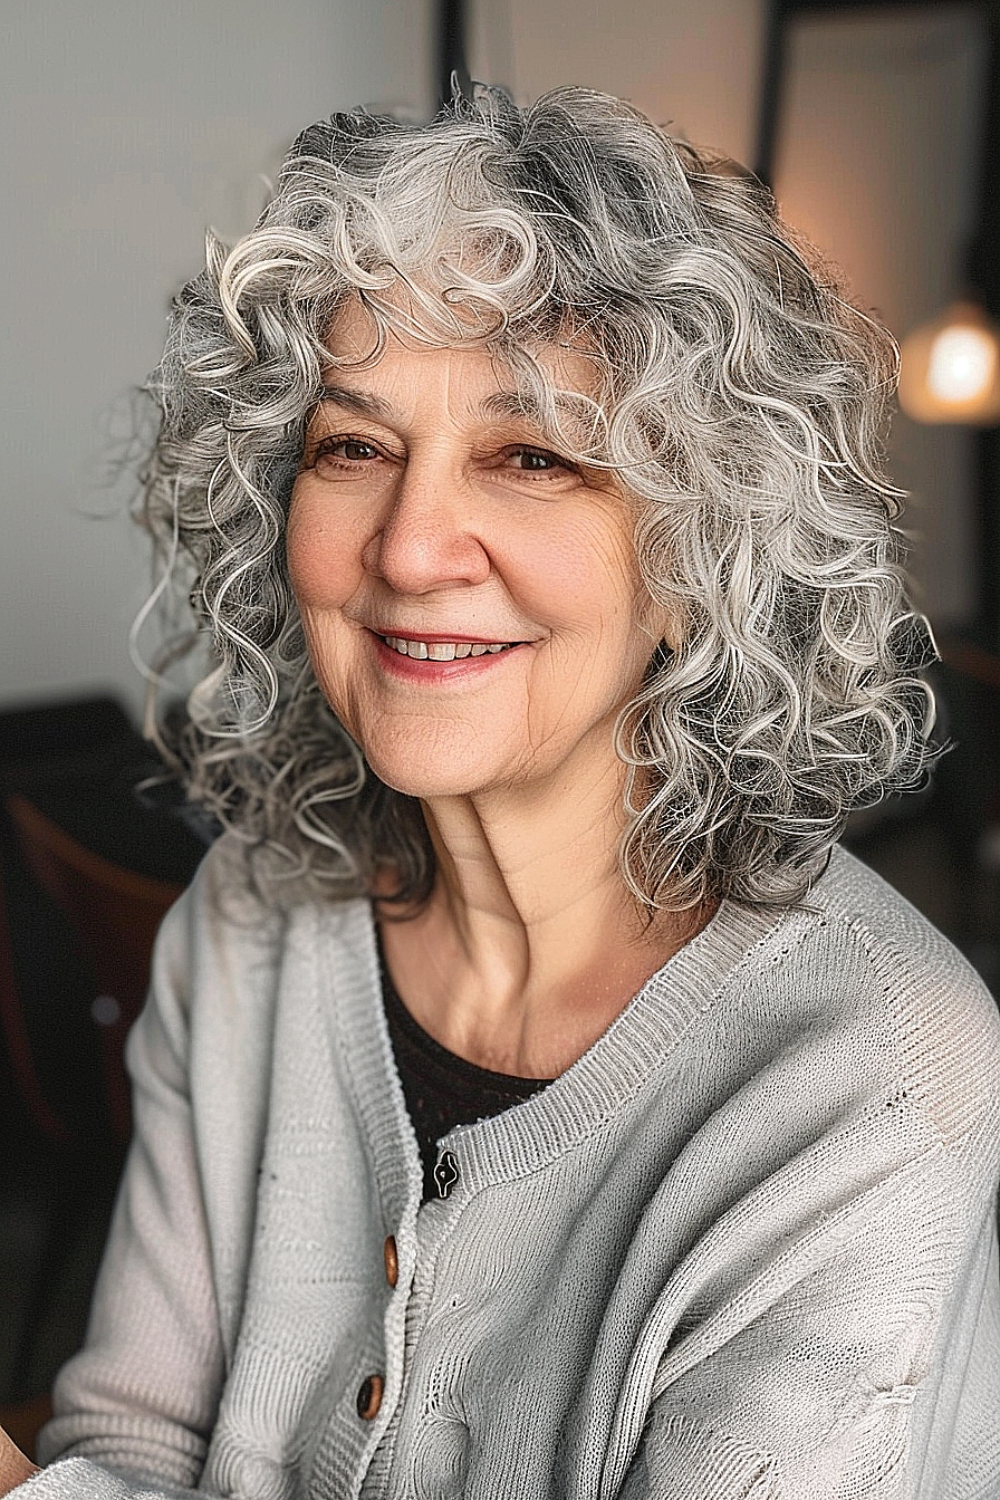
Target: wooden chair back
x=115, y=914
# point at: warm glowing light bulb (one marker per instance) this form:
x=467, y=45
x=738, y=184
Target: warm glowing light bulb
x=962, y=364
x=950, y=370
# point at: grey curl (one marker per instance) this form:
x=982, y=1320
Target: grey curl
x=742, y=403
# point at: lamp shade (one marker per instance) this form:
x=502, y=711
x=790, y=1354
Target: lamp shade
x=950, y=368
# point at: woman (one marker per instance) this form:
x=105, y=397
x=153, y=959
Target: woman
x=531, y=1100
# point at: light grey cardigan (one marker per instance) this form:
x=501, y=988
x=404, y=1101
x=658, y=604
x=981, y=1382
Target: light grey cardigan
x=745, y=1247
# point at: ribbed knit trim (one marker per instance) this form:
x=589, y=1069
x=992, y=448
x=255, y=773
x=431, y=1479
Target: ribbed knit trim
x=350, y=972
x=623, y=1060
x=591, y=1092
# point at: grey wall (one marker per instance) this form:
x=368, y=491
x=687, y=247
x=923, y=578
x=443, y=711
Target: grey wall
x=694, y=65
x=127, y=127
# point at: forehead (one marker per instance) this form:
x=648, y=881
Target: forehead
x=566, y=371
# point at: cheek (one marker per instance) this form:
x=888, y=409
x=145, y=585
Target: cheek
x=319, y=557
x=593, y=575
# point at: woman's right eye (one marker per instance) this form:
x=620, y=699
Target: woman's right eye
x=345, y=450
x=341, y=456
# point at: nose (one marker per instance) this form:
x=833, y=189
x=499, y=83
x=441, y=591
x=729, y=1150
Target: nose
x=427, y=537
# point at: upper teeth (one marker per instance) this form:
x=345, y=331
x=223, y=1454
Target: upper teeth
x=441, y=650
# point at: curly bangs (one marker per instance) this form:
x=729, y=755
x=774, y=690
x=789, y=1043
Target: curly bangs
x=741, y=401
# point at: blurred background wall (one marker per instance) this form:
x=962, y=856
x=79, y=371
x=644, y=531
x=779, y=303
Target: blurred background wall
x=128, y=127
x=878, y=163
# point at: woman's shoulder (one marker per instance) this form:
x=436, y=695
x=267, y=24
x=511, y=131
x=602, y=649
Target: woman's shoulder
x=226, y=941
x=862, y=957
x=241, y=887
x=863, y=912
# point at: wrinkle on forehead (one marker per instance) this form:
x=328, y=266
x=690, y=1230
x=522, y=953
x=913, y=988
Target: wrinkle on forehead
x=556, y=386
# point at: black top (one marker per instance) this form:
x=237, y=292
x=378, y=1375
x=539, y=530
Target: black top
x=441, y=1089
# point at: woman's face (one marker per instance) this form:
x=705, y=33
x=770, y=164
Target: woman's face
x=471, y=602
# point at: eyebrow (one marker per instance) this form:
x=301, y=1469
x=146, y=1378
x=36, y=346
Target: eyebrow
x=363, y=402
x=500, y=404
x=518, y=404
x=524, y=405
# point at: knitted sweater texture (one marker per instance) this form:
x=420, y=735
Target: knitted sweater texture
x=744, y=1247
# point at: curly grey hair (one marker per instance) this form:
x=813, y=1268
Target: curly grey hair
x=741, y=403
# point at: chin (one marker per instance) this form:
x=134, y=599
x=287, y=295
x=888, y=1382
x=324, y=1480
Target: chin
x=429, y=774
x=424, y=782
x=426, y=759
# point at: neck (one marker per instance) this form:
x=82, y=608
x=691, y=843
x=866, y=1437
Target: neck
x=531, y=943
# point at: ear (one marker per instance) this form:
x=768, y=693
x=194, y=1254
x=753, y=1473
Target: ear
x=664, y=624
x=672, y=631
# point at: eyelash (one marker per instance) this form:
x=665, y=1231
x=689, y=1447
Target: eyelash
x=326, y=447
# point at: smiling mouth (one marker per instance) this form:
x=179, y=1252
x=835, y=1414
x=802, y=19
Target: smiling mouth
x=444, y=650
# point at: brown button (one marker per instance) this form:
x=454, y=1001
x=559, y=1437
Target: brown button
x=369, y=1397
x=391, y=1261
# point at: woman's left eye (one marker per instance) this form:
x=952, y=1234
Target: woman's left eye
x=537, y=461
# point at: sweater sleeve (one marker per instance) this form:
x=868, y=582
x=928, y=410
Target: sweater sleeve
x=823, y=1395
x=851, y=1349
x=140, y=1399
